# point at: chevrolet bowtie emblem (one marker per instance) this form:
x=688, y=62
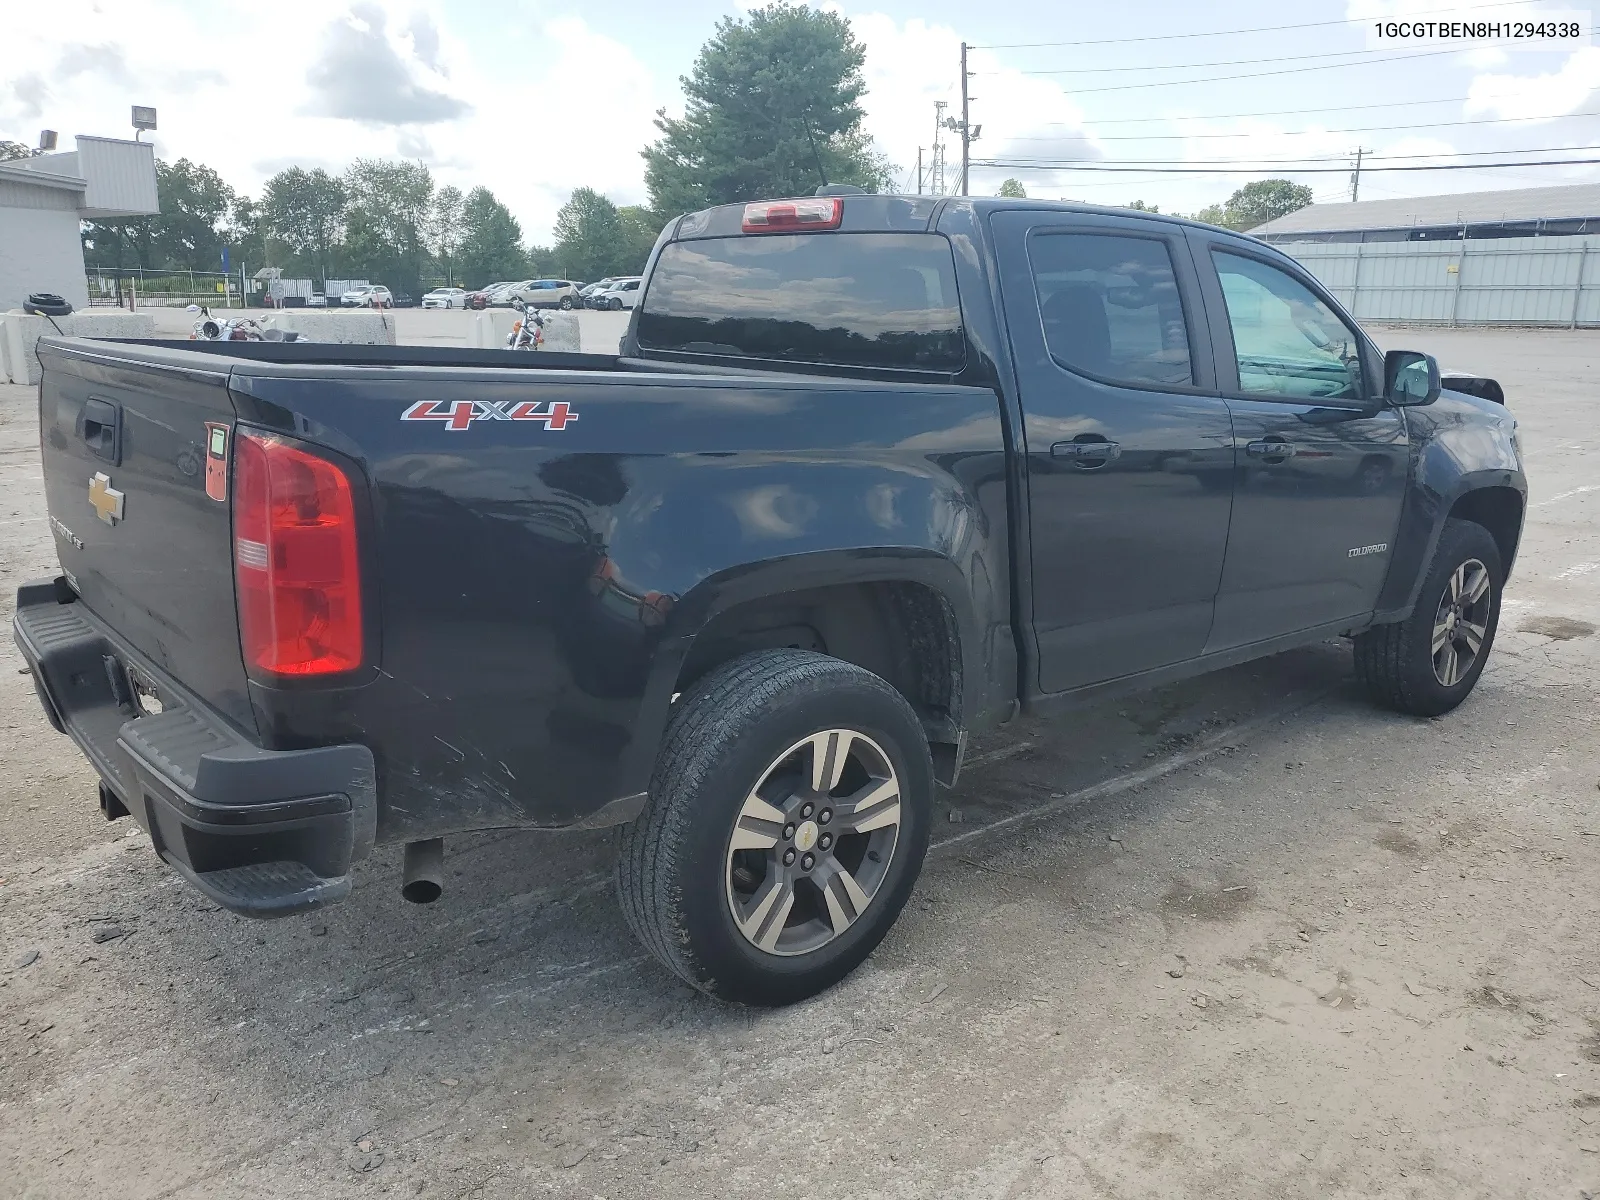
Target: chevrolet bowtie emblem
x=105, y=499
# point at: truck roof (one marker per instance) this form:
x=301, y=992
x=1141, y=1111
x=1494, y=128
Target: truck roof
x=911, y=213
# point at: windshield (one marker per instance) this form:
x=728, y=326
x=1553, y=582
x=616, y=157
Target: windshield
x=848, y=299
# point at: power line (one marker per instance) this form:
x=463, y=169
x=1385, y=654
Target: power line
x=1318, y=158
x=1097, y=168
x=1226, y=62
x=1169, y=83
x=1177, y=137
x=1285, y=112
x=1168, y=37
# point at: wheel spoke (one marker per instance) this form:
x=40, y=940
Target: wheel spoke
x=875, y=806
x=1447, y=664
x=759, y=825
x=769, y=911
x=1476, y=586
x=1473, y=634
x=843, y=896
x=1441, y=635
x=830, y=751
x=1457, y=581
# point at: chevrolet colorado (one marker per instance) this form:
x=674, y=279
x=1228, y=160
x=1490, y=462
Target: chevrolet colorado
x=870, y=474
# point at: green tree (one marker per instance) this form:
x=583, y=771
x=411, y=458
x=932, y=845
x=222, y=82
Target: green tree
x=305, y=211
x=541, y=261
x=1264, y=200
x=10, y=150
x=246, y=234
x=1012, y=189
x=195, y=202
x=767, y=101
x=1212, y=214
x=386, y=222
x=1141, y=206
x=444, y=229
x=589, y=234
x=491, y=240
x=640, y=228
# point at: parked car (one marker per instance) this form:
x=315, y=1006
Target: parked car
x=316, y=300
x=502, y=295
x=755, y=620
x=445, y=297
x=404, y=300
x=548, y=293
x=623, y=293
x=590, y=291
x=367, y=295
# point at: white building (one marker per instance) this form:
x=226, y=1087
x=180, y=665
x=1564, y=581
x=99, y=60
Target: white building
x=43, y=199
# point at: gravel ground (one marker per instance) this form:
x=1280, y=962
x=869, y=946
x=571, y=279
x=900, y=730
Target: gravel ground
x=1245, y=937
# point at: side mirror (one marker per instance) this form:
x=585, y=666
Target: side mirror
x=1410, y=378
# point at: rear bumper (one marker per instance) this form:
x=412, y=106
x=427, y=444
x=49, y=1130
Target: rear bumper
x=264, y=833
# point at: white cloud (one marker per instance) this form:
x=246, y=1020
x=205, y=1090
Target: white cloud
x=251, y=88
x=1564, y=90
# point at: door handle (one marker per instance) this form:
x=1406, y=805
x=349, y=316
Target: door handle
x=1086, y=453
x=1271, y=451
x=100, y=425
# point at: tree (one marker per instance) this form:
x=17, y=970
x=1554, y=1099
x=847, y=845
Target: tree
x=11, y=150
x=386, y=222
x=772, y=105
x=305, y=210
x=1141, y=206
x=588, y=234
x=1012, y=189
x=194, y=204
x=640, y=228
x=1264, y=200
x=444, y=229
x=491, y=240
x=1212, y=214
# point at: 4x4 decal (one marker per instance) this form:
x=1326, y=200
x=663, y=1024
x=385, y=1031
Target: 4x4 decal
x=459, y=414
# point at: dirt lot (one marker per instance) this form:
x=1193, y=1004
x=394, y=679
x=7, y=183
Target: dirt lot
x=1246, y=937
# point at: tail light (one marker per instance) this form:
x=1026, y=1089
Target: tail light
x=294, y=556
x=786, y=216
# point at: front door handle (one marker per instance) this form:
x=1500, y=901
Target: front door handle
x=1087, y=454
x=1270, y=451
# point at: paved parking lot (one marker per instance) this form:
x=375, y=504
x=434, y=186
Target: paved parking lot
x=1245, y=937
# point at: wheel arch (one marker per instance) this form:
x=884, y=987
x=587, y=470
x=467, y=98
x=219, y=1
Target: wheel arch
x=1495, y=499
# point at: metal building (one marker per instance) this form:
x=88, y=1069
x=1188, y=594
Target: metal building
x=42, y=201
x=1530, y=256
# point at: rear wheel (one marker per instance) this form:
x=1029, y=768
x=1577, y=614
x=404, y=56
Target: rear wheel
x=566, y=302
x=788, y=819
x=1429, y=662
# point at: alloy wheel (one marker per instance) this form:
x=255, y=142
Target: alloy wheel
x=1461, y=622
x=813, y=842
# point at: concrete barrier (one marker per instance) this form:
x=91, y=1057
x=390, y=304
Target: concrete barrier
x=357, y=328
x=492, y=327
x=20, y=333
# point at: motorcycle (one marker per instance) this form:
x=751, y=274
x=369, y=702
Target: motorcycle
x=527, y=332
x=238, y=329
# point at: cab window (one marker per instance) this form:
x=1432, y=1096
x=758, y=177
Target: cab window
x=1287, y=341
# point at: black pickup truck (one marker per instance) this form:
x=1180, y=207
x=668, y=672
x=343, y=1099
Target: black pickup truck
x=870, y=474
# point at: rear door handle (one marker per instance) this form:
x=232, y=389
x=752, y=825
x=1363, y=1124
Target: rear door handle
x=1270, y=450
x=1082, y=451
x=100, y=425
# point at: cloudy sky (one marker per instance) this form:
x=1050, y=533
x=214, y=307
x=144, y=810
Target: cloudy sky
x=533, y=100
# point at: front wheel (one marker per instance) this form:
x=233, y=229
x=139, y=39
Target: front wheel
x=788, y=820
x=1428, y=663
x=615, y=305
x=566, y=303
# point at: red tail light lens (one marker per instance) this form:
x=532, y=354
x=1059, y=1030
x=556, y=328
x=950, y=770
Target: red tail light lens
x=294, y=556
x=786, y=216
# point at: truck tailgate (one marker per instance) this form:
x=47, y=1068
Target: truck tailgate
x=125, y=449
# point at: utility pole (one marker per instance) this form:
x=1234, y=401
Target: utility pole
x=919, y=170
x=966, y=123
x=936, y=175
x=1355, y=180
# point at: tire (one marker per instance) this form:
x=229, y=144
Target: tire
x=566, y=303
x=743, y=727
x=615, y=305
x=1398, y=664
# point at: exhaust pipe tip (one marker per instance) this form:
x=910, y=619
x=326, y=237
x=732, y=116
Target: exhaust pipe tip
x=422, y=881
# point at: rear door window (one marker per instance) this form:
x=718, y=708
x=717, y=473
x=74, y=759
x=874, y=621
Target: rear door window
x=1111, y=307
x=845, y=299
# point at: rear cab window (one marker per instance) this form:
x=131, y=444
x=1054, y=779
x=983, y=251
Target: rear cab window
x=845, y=299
